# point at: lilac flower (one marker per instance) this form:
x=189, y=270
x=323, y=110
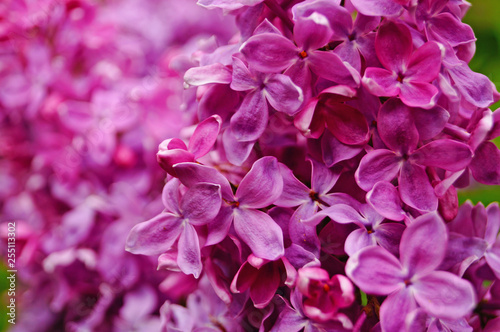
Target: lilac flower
x=412, y=281
x=262, y=278
x=260, y=187
x=198, y=206
x=406, y=73
x=399, y=133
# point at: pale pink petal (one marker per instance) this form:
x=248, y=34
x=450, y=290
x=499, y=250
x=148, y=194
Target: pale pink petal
x=192, y=173
x=395, y=309
x=358, y=240
x=384, y=198
x=381, y=82
x=236, y=152
x=417, y=94
x=243, y=79
x=377, y=165
x=444, y=153
x=283, y=94
x=215, y=73
x=250, y=121
x=270, y=52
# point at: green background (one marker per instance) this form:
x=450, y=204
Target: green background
x=483, y=17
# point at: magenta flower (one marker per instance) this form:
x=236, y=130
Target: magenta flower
x=198, y=206
x=174, y=151
x=406, y=73
x=262, y=278
x=260, y=187
x=324, y=296
x=399, y=132
x=412, y=281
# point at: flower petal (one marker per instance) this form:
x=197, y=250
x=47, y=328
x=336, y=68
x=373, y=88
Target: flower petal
x=189, y=256
x=444, y=153
x=417, y=94
x=377, y=7
x=154, y=236
x=328, y=65
x=294, y=192
x=384, y=198
x=192, y=173
x=395, y=309
x=265, y=285
x=425, y=63
x=250, y=121
x=312, y=31
x=346, y=123
x=485, y=165
x=283, y=94
x=262, y=185
x=358, y=240
x=377, y=165
x=236, y=152
x=243, y=79
x=375, y=271
x=269, y=52
x=423, y=244
x=444, y=295
x=381, y=82
x=260, y=232
x=214, y=73
x=415, y=188
x=393, y=43
x=201, y=203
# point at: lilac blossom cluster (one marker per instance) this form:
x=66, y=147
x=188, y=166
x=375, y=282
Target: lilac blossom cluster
x=88, y=91
x=318, y=191
x=313, y=158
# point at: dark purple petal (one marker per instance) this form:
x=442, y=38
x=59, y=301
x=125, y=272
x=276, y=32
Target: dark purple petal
x=375, y=271
x=444, y=295
x=250, y=121
x=415, y=188
x=384, y=198
x=244, y=278
x=219, y=226
x=201, y=203
x=423, y=244
x=334, y=151
x=270, y=53
x=444, y=153
x=265, y=285
x=260, y=232
x=381, y=82
x=377, y=165
x=262, y=185
x=417, y=94
x=378, y=7
x=204, y=136
x=393, y=44
x=346, y=123
x=396, y=127
x=189, y=256
x=388, y=236
x=215, y=73
x=312, y=32
x=154, y=236
x=192, y=173
x=283, y=94
x=425, y=63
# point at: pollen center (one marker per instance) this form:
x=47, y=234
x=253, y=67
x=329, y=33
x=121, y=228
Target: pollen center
x=303, y=54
